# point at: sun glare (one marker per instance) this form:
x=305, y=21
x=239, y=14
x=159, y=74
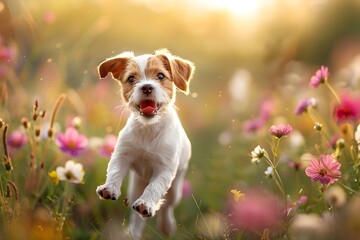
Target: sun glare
x=239, y=8
x=242, y=7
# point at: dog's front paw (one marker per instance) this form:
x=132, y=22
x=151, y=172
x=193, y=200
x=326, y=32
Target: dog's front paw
x=144, y=208
x=108, y=192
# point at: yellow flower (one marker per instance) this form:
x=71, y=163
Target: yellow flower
x=54, y=177
x=238, y=195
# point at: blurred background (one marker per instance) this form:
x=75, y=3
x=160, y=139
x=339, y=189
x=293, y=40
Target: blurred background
x=251, y=57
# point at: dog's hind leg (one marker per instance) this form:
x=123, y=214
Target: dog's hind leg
x=165, y=218
x=135, y=189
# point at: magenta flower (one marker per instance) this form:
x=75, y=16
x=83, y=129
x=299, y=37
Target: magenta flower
x=347, y=110
x=17, y=139
x=71, y=142
x=108, y=146
x=320, y=76
x=280, y=130
x=325, y=169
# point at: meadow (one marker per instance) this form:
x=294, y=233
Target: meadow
x=273, y=115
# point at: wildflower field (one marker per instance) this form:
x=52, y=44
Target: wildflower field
x=273, y=115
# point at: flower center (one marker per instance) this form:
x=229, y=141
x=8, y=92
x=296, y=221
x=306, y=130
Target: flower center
x=72, y=145
x=323, y=172
x=69, y=175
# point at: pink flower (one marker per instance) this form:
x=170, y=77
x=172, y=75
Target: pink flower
x=266, y=109
x=6, y=54
x=17, y=139
x=49, y=17
x=253, y=125
x=257, y=211
x=320, y=76
x=108, y=146
x=294, y=205
x=325, y=169
x=296, y=165
x=71, y=142
x=3, y=71
x=280, y=130
x=333, y=141
x=347, y=110
x=186, y=189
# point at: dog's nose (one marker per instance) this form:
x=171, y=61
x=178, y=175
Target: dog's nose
x=147, y=88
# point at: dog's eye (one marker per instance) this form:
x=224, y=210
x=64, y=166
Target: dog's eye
x=160, y=76
x=131, y=79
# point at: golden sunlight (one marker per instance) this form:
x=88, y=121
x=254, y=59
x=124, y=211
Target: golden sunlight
x=239, y=8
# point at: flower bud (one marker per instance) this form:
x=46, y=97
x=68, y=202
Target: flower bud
x=340, y=143
x=318, y=126
x=26, y=123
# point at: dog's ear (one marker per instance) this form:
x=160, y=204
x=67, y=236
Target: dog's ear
x=115, y=65
x=181, y=70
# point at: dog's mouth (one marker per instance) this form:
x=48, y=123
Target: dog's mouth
x=148, y=108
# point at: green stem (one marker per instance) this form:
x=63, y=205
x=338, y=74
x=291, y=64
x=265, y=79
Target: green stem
x=332, y=91
x=347, y=188
x=275, y=151
x=277, y=177
x=64, y=208
x=202, y=216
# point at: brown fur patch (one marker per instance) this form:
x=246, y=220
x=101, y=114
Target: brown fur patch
x=158, y=64
x=127, y=88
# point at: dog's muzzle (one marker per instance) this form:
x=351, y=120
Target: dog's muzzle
x=148, y=106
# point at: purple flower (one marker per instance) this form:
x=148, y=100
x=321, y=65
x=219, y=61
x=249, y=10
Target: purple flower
x=280, y=130
x=304, y=104
x=108, y=145
x=320, y=76
x=71, y=142
x=17, y=139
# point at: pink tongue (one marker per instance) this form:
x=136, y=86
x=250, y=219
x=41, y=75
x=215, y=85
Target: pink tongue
x=148, y=107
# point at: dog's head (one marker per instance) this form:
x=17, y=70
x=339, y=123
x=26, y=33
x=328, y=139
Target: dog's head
x=149, y=82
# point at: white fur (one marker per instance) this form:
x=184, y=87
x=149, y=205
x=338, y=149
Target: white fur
x=156, y=151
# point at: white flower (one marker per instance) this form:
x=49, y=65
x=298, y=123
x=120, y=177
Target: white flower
x=257, y=154
x=305, y=225
x=312, y=102
x=335, y=196
x=72, y=172
x=269, y=172
x=357, y=134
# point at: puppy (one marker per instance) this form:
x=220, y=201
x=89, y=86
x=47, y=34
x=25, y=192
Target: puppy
x=153, y=144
